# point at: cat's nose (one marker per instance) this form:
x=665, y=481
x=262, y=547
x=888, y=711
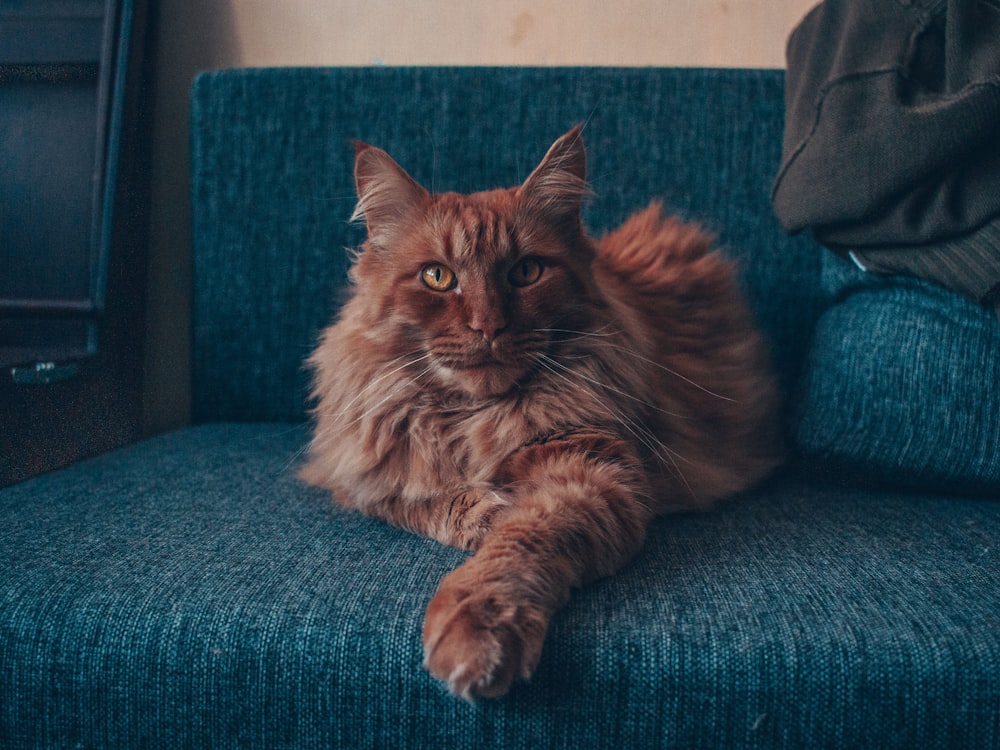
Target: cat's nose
x=490, y=324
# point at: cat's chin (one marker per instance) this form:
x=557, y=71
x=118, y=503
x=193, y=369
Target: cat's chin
x=482, y=381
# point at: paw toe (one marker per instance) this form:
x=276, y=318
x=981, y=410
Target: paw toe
x=477, y=646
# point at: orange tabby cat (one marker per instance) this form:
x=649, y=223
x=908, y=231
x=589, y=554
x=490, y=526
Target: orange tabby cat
x=503, y=383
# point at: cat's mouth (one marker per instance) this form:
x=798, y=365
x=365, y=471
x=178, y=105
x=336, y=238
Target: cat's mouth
x=483, y=375
x=482, y=368
x=473, y=357
x=474, y=364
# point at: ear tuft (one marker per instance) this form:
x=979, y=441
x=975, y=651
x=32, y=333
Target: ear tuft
x=386, y=193
x=558, y=185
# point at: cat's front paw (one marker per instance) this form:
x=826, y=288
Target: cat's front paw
x=478, y=639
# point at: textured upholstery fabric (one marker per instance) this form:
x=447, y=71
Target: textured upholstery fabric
x=902, y=383
x=273, y=189
x=190, y=592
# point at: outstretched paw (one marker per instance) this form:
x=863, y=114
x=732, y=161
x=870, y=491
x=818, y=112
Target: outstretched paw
x=479, y=641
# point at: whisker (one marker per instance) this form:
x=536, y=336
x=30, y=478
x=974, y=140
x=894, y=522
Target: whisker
x=659, y=450
x=372, y=409
x=611, y=388
x=676, y=374
x=375, y=381
x=595, y=334
x=291, y=461
x=631, y=426
x=652, y=443
x=636, y=355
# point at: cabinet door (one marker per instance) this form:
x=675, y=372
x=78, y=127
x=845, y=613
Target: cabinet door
x=58, y=141
x=74, y=196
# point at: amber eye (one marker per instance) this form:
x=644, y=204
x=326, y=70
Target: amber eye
x=525, y=272
x=437, y=277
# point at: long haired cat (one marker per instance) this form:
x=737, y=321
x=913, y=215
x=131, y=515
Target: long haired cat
x=504, y=383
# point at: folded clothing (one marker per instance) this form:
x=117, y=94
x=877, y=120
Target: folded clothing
x=890, y=150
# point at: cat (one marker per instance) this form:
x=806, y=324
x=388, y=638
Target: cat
x=503, y=383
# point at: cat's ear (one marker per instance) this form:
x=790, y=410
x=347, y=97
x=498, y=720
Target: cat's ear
x=558, y=185
x=386, y=193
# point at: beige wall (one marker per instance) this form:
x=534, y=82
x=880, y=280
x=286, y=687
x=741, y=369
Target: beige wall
x=195, y=35
x=514, y=32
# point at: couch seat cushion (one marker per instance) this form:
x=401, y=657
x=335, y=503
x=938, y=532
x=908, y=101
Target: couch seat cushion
x=902, y=384
x=190, y=592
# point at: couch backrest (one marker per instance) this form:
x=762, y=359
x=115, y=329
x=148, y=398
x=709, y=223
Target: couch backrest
x=273, y=189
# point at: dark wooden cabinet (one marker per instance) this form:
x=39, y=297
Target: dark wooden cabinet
x=74, y=187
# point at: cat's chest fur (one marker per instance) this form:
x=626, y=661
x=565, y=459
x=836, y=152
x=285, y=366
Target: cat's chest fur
x=450, y=443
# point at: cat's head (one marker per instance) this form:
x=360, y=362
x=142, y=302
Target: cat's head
x=478, y=284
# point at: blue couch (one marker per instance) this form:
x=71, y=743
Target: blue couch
x=189, y=591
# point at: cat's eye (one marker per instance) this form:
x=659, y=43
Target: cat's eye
x=526, y=272
x=437, y=277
